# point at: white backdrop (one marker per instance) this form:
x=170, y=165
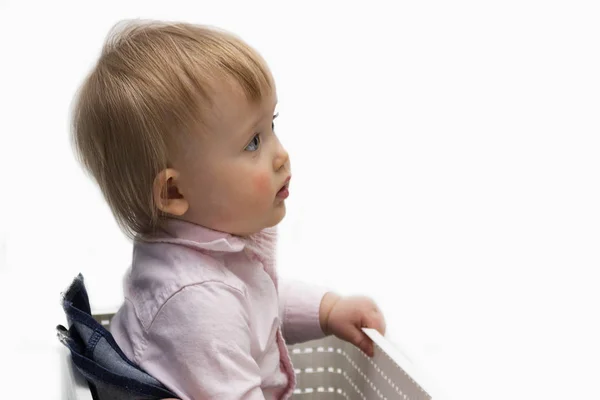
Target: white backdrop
x=446, y=162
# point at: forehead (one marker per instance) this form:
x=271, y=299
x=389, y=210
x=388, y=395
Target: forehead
x=228, y=118
x=232, y=112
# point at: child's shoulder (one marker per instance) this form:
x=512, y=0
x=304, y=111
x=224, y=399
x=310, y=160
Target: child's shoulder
x=161, y=270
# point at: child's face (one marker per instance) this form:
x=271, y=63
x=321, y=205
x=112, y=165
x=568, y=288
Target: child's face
x=234, y=175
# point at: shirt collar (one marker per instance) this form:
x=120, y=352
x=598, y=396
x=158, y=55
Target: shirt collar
x=199, y=237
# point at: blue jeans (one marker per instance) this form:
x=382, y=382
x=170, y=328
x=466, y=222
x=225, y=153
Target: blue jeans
x=97, y=356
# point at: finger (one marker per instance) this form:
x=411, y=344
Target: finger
x=375, y=320
x=380, y=324
x=367, y=346
x=362, y=341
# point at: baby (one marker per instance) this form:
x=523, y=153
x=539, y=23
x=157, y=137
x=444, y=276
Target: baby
x=176, y=125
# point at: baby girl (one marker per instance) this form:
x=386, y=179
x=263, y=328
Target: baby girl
x=176, y=124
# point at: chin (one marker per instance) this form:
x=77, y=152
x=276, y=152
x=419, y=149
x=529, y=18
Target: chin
x=278, y=216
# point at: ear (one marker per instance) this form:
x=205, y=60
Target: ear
x=168, y=196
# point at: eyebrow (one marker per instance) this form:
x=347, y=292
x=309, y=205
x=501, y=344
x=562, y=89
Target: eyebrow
x=252, y=129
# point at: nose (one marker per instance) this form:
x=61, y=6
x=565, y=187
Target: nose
x=282, y=158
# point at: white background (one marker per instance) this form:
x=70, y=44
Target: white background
x=446, y=162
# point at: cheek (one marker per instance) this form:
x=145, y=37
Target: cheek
x=262, y=183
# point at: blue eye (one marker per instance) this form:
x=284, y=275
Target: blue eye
x=254, y=144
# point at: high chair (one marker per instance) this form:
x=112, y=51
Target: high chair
x=95, y=368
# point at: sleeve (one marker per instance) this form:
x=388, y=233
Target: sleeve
x=299, y=305
x=199, y=345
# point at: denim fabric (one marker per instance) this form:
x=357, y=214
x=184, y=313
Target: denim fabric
x=97, y=356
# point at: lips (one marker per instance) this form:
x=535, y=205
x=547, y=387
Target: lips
x=284, y=192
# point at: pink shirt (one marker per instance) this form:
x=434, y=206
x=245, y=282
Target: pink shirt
x=204, y=314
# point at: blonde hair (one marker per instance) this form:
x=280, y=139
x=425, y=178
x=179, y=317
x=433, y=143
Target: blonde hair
x=151, y=83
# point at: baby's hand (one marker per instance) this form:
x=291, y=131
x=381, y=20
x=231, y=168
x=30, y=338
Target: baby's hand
x=345, y=316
